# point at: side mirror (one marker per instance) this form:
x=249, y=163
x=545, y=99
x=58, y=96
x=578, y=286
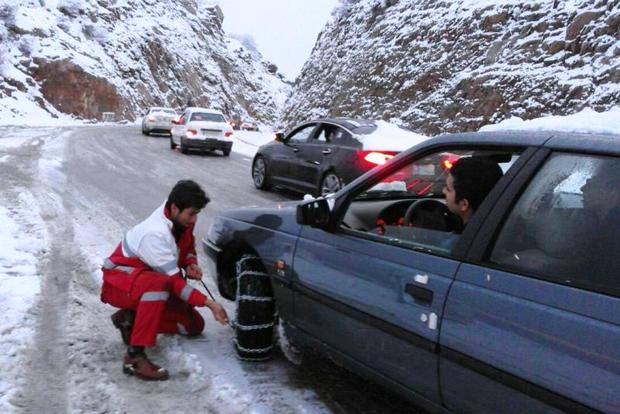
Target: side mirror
x=279, y=136
x=314, y=213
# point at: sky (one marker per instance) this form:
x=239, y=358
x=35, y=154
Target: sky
x=284, y=30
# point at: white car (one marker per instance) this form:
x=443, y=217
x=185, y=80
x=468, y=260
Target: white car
x=202, y=129
x=158, y=119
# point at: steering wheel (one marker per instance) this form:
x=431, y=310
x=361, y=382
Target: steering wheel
x=428, y=213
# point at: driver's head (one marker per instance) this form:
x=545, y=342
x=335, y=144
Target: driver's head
x=185, y=202
x=469, y=181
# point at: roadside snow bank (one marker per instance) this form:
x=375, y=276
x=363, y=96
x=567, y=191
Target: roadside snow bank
x=22, y=239
x=588, y=121
x=390, y=137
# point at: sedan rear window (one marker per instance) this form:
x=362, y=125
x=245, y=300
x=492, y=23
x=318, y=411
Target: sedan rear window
x=205, y=116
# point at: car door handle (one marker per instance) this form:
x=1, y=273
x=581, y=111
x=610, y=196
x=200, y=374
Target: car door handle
x=326, y=151
x=419, y=293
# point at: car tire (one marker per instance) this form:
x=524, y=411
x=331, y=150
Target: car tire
x=145, y=132
x=255, y=316
x=260, y=173
x=172, y=144
x=330, y=183
x=183, y=147
x=226, y=152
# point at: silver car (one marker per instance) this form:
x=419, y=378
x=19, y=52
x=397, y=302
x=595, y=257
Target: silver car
x=158, y=120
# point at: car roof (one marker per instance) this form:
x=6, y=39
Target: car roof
x=355, y=125
x=159, y=108
x=557, y=140
x=207, y=110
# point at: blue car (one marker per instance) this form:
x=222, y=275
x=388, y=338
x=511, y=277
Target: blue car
x=517, y=312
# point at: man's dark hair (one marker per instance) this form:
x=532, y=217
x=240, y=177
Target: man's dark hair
x=474, y=178
x=187, y=193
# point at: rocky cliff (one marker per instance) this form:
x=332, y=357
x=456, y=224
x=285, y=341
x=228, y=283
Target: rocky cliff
x=444, y=66
x=86, y=57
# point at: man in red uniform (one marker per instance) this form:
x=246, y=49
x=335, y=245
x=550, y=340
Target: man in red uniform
x=143, y=278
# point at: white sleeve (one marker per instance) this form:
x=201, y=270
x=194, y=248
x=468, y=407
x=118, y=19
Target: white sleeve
x=159, y=254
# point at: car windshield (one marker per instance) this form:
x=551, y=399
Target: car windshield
x=426, y=177
x=205, y=116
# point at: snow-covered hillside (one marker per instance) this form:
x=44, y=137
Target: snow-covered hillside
x=445, y=66
x=85, y=57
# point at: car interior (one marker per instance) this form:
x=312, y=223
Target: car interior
x=408, y=207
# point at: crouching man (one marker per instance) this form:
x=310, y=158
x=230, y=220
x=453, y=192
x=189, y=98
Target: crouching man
x=143, y=278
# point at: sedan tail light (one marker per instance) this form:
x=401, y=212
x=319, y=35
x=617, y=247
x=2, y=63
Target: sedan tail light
x=228, y=134
x=151, y=118
x=190, y=133
x=376, y=157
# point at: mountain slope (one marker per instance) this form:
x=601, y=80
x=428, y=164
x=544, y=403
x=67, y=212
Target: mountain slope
x=439, y=66
x=85, y=57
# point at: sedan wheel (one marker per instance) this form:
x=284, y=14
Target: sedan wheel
x=259, y=174
x=330, y=183
x=172, y=144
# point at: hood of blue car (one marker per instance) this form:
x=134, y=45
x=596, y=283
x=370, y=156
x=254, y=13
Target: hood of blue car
x=280, y=217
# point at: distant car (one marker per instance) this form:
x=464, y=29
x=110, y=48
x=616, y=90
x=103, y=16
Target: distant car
x=319, y=157
x=517, y=312
x=202, y=129
x=249, y=126
x=235, y=124
x=158, y=120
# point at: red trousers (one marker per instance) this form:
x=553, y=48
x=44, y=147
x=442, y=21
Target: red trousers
x=157, y=310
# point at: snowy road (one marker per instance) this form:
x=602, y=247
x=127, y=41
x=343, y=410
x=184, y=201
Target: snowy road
x=67, y=196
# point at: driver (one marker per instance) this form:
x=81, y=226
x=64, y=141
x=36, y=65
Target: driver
x=468, y=182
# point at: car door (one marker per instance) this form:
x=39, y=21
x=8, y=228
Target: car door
x=373, y=290
x=532, y=322
x=285, y=160
x=317, y=155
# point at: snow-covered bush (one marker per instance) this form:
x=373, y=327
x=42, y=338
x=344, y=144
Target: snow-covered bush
x=95, y=32
x=26, y=45
x=71, y=8
x=7, y=13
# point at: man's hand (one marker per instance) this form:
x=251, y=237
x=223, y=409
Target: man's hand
x=193, y=271
x=219, y=313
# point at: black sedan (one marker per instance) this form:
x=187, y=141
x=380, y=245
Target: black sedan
x=319, y=157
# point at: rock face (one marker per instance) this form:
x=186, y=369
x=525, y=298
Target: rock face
x=85, y=57
x=444, y=66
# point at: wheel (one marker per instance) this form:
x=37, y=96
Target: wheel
x=172, y=144
x=145, y=132
x=260, y=174
x=255, y=315
x=330, y=183
x=226, y=152
x=183, y=147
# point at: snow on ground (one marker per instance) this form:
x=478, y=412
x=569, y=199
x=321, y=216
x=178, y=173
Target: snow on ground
x=22, y=241
x=587, y=121
x=247, y=142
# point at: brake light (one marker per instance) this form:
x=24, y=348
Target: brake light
x=151, y=118
x=190, y=133
x=228, y=134
x=448, y=160
x=377, y=158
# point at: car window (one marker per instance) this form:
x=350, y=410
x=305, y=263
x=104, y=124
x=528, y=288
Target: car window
x=565, y=226
x=409, y=208
x=326, y=134
x=205, y=116
x=301, y=135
